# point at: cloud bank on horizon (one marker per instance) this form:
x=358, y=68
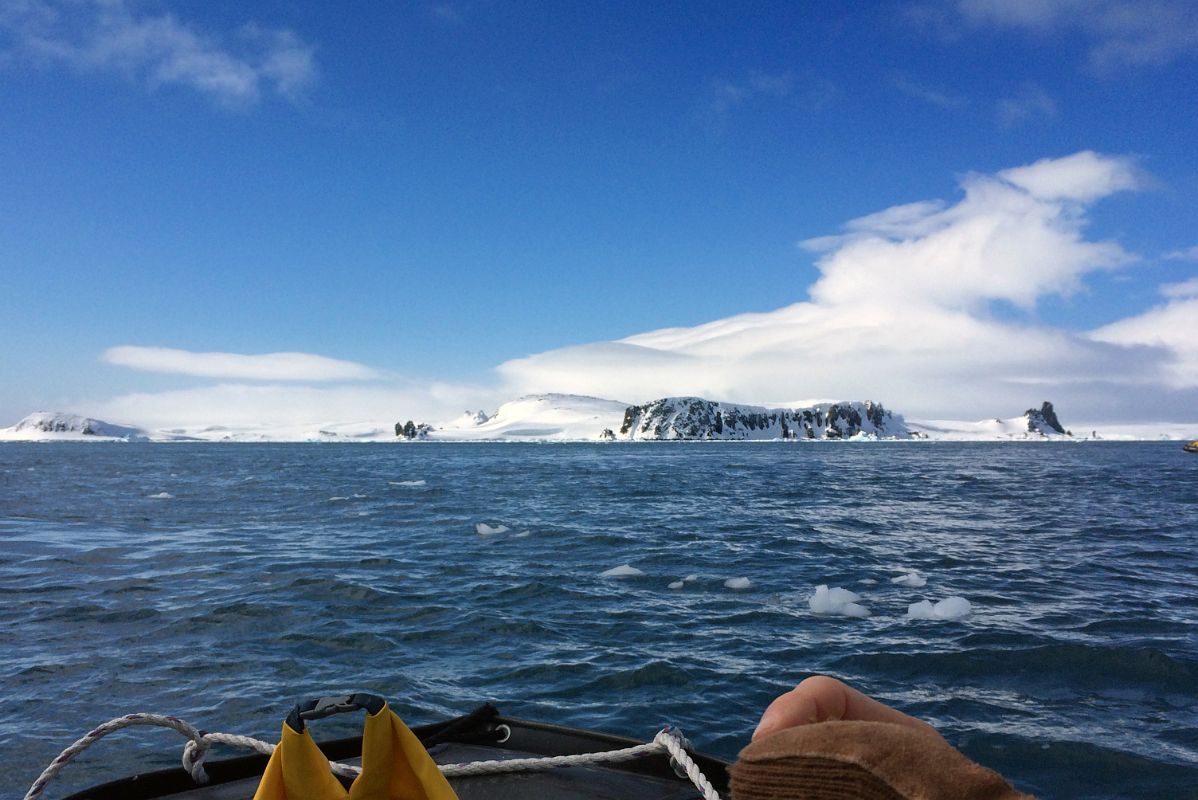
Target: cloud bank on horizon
x=923, y=306
x=913, y=307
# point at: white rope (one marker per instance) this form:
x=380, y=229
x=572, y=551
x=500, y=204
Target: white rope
x=548, y=762
x=195, y=751
x=681, y=759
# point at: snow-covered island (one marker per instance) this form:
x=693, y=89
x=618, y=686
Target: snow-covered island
x=574, y=418
x=53, y=426
x=557, y=417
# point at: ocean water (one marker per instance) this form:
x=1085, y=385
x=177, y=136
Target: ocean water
x=222, y=583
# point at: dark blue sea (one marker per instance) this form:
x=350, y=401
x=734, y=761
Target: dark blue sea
x=224, y=582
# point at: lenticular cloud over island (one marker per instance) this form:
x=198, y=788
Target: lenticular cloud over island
x=264, y=367
x=928, y=305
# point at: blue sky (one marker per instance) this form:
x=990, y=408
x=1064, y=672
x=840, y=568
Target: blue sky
x=468, y=200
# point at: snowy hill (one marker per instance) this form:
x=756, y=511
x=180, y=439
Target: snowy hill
x=693, y=418
x=56, y=426
x=545, y=417
x=1035, y=425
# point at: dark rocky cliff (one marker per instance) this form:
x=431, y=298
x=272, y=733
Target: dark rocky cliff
x=690, y=418
x=1044, y=421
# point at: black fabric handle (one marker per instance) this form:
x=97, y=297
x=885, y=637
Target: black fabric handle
x=328, y=706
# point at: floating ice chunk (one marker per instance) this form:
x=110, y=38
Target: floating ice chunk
x=676, y=585
x=691, y=578
x=162, y=496
x=867, y=581
x=912, y=579
x=521, y=534
x=949, y=608
x=921, y=610
x=337, y=499
x=483, y=529
x=622, y=571
x=836, y=601
x=737, y=583
x=855, y=610
x=407, y=483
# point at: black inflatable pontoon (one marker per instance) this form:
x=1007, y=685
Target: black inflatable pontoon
x=480, y=736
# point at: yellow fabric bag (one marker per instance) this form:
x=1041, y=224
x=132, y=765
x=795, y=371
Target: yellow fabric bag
x=395, y=765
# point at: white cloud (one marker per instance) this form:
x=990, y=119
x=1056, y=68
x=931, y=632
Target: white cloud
x=304, y=367
x=1185, y=289
x=904, y=312
x=1082, y=177
x=157, y=49
x=1188, y=254
x=1119, y=32
x=1170, y=329
x=1031, y=102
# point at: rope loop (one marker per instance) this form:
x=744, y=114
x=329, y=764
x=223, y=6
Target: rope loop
x=194, y=753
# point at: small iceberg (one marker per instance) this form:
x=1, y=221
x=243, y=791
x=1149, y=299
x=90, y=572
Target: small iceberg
x=836, y=602
x=737, y=583
x=407, y=483
x=483, y=529
x=948, y=609
x=162, y=496
x=622, y=571
x=676, y=585
x=912, y=579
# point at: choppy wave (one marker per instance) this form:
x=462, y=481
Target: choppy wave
x=260, y=582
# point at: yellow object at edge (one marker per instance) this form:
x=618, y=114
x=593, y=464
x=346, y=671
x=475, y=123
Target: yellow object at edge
x=395, y=766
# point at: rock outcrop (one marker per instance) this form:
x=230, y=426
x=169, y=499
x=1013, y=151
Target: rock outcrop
x=1044, y=421
x=693, y=418
x=412, y=430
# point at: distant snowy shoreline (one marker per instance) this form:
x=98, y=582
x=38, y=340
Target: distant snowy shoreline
x=571, y=418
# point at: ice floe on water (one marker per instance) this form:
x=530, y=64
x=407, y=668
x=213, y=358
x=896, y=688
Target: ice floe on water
x=912, y=579
x=836, y=602
x=676, y=585
x=407, y=483
x=483, y=529
x=622, y=571
x=949, y=608
x=521, y=534
x=737, y=583
x=867, y=581
x=690, y=579
x=162, y=496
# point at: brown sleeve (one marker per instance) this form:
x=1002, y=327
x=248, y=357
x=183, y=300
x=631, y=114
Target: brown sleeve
x=867, y=760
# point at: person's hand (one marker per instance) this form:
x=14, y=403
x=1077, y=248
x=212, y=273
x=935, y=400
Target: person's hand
x=823, y=699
